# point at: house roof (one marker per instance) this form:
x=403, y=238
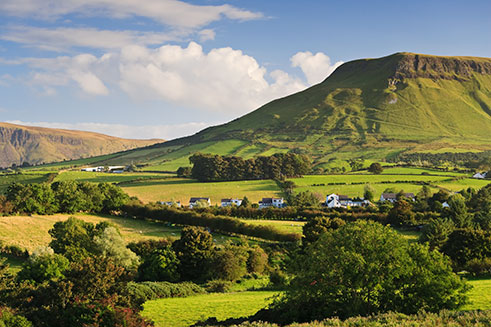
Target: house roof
x=394, y=195
x=226, y=200
x=267, y=200
x=343, y=197
x=192, y=200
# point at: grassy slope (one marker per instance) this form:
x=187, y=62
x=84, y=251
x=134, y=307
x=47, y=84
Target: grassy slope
x=30, y=232
x=479, y=295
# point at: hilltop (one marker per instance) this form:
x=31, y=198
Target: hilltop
x=36, y=145
x=370, y=109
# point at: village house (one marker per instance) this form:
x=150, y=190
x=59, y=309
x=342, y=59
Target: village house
x=93, y=169
x=271, y=202
x=194, y=201
x=343, y=201
x=392, y=197
x=230, y=202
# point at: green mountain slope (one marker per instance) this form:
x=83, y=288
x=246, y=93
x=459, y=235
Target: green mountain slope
x=35, y=145
x=370, y=108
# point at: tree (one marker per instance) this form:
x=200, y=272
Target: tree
x=230, y=262
x=365, y=268
x=305, y=199
x=317, y=226
x=436, y=232
x=246, y=203
x=257, y=260
x=401, y=213
x=369, y=193
x=458, y=211
x=194, y=251
x=72, y=238
x=161, y=265
x=43, y=265
x=111, y=244
x=376, y=168
x=184, y=172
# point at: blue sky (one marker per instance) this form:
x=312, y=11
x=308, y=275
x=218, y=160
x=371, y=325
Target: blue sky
x=168, y=68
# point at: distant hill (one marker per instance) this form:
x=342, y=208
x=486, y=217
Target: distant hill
x=370, y=109
x=36, y=145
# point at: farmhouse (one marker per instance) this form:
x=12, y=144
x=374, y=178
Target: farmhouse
x=271, y=202
x=194, y=201
x=230, y=202
x=392, y=197
x=343, y=201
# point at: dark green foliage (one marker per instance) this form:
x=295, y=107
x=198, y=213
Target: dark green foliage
x=160, y=265
x=208, y=167
x=436, y=232
x=305, y=199
x=219, y=286
x=146, y=291
x=464, y=159
x=229, y=263
x=376, y=168
x=44, y=265
x=146, y=247
x=257, y=261
x=458, y=212
x=369, y=192
x=184, y=172
x=317, y=226
x=364, y=268
x=464, y=245
x=66, y=197
x=194, y=250
x=401, y=213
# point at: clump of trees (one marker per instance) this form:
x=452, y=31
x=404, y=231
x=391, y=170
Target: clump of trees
x=64, y=196
x=208, y=167
x=365, y=268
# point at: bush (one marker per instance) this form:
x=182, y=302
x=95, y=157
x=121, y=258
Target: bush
x=219, y=286
x=365, y=268
x=145, y=291
x=44, y=265
x=479, y=267
x=161, y=265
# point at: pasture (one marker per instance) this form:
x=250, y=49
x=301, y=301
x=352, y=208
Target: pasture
x=100, y=177
x=24, y=178
x=181, y=189
x=479, y=295
x=181, y=312
x=30, y=232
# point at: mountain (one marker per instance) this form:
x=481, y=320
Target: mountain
x=35, y=145
x=370, y=109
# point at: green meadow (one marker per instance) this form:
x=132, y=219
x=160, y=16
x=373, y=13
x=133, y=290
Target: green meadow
x=181, y=189
x=183, y=312
x=101, y=177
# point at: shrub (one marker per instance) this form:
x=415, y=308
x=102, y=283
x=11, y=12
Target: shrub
x=219, y=286
x=479, y=267
x=44, y=265
x=160, y=265
x=145, y=291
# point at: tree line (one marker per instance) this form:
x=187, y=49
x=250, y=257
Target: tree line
x=208, y=167
x=61, y=197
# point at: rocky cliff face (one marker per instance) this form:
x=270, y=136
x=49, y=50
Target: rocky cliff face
x=35, y=145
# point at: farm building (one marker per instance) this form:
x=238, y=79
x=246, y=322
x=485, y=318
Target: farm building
x=230, y=202
x=194, y=201
x=271, y=202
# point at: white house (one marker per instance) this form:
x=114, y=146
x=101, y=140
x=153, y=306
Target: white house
x=332, y=201
x=194, y=201
x=445, y=205
x=271, y=202
x=343, y=201
x=230, y=202
x=480, y=175
x=392, y=197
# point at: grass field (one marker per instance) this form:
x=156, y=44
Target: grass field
x=96, y=177
x=32, y=232
x=24, y=178
x=181, y=312
x=479, y=295
x=282, y=225
x=181, y=189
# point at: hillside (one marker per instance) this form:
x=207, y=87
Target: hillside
x=370, y=108
x=35, y=145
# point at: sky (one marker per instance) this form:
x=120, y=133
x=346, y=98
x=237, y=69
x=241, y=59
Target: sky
x=169, y=68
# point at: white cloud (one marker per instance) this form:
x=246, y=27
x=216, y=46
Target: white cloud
x=169, y=12
x=63, y=39
x=315, y=67
x=166, y=132
x=223, y=79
